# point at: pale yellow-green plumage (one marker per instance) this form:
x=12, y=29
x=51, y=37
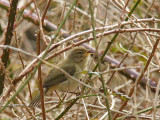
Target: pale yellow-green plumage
x=74, y=64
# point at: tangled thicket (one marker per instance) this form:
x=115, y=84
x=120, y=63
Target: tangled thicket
x=126, y=31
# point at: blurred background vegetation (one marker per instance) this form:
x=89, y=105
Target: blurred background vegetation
x=138, y=46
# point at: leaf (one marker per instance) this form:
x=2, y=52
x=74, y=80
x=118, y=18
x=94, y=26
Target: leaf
x=90, y=72
x=93, y=73
x=84, y=72
x=121, y=96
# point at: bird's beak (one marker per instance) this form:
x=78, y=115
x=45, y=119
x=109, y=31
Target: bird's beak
x=88, y=52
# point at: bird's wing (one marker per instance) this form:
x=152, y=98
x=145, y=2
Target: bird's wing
x=56, y=76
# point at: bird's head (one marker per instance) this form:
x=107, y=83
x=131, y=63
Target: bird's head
x=78, y=54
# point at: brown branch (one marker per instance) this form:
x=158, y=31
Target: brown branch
x=38, y=52
x=45, y=11
x=8, y=37
x=139, y=78
x=125, y=56
x=12, y=87
x=40, y=79
x=130, y=73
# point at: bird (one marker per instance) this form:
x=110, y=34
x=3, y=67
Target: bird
x=74, y=64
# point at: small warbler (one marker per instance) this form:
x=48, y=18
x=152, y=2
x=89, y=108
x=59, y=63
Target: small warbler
x=74, y=64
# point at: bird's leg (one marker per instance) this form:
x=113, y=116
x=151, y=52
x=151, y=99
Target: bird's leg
x=60, y=100
x=58, y=95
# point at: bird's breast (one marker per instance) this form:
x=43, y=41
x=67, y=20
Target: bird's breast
x=70, y=85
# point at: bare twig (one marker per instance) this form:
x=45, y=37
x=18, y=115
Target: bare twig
x=139, y=77
x=131, y=73
x=38, y=52
x=8, y=37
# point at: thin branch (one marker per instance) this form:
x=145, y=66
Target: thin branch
x=43, y=56
x=139, y=78
x=39, y=67
x=45, y=11
x=32, y=17
x=133, y=74
x=8, y=38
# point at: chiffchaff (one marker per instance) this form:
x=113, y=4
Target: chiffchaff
x=74, y=64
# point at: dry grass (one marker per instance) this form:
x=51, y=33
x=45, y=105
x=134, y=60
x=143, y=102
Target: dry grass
x=133, y=42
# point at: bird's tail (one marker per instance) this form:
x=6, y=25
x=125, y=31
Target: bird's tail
x=36, y=100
